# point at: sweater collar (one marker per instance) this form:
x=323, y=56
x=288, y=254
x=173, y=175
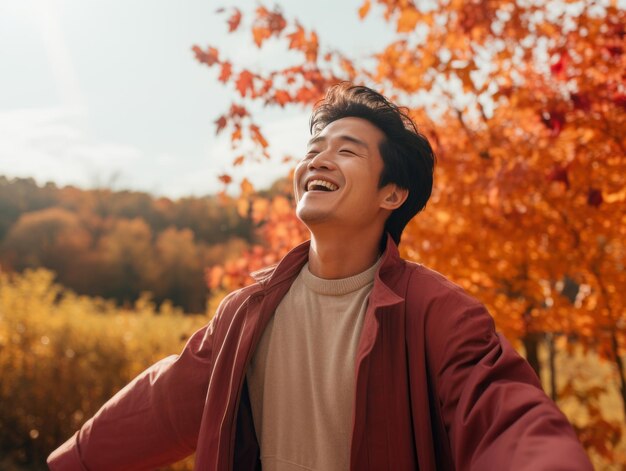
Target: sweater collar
x=339, y=286
x=291, y=264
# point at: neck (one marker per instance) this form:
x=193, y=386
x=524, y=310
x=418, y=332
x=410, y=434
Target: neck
x=333, y=255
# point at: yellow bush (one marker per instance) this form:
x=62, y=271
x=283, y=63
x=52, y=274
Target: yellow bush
x=62, y=356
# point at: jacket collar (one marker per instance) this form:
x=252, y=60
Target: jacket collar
x=291, y=264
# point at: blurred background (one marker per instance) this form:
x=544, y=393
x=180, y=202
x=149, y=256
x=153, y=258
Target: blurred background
x=146, y=151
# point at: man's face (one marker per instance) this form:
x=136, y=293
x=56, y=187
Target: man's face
x=337, y=180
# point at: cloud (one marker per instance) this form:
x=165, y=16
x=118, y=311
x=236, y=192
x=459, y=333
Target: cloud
x=52, y=144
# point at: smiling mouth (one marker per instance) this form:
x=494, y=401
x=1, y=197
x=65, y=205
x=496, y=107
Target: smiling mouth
x=321, y=185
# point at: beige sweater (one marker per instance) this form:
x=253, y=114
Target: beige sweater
x=301, y=377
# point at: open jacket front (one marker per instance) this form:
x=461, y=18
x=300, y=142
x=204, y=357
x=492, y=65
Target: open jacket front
x=436, y=388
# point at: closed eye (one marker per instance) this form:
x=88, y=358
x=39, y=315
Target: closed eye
x=347, y=151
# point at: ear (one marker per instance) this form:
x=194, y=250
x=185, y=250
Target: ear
x=393, y=196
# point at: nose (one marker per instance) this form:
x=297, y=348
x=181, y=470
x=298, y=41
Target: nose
x=322, y=160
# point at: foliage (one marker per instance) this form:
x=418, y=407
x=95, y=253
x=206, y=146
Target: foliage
x=277, y=227
x=524, y=103
x=117, y=244
x=63, y=355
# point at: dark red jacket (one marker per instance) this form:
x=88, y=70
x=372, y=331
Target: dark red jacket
x=436, y=387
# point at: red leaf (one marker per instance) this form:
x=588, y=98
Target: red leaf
x=220, y=124
x=594, y=198
x=238, y=160
x=226, y=72
x=615, y=51
x=559, y=174
x=234, y=20
x=267, y=84
x=225, y=178
x=581, y=101
x=620, y=100
x=306, y=95
x=276, y=22
x=554, y=121
x=267, y=24
x=282, y=97
x=244, y=83
x=208, y=57
x=559, y=66
x=238, y=111
x=257, y=136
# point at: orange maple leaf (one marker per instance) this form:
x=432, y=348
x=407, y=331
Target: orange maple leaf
x=408, y=20
x=260, y=34
x=297, y=39
x=267, y=24
x=257, y=136
x=365, y=8
x=238, y=111
x=234, y=20
x=225, y=178
x=226, y=72
x=312, y=47
x=245, y=82
x=282, y=97
x=236, y=134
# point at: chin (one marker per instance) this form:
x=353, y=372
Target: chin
x=310, y=215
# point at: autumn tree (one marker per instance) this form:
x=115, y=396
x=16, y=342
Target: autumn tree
x=20, y=195
x=127, y=259
x=524, y=103
x=180, y=276
x=86, y=238
x=52, y=237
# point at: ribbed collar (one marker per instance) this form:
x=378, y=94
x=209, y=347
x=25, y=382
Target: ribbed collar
x=339, y=286
x=283, y=274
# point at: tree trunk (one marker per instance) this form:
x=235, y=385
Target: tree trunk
x=620, y=369
x=531, y=345
x=551, y=360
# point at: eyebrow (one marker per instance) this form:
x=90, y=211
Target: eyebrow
x=342, y=137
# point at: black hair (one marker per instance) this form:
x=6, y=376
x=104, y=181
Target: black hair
x=408, y=158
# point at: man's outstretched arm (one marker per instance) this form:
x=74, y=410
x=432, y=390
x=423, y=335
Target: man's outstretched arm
x=496, y=414
x=152, y=421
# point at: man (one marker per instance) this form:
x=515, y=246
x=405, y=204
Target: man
x=343, y=356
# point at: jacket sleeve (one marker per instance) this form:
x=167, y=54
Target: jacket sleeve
x=152, y=421
x=491, y=401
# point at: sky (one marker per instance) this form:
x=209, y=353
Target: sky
x=109, y=93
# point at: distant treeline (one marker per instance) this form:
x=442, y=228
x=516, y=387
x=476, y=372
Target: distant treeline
x=116, y=244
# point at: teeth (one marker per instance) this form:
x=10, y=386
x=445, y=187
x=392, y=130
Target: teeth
x=325, y=184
